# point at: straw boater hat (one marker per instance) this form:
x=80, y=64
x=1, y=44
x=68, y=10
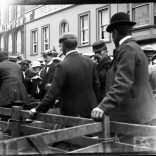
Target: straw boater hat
x=36, y=64
x=119, y=18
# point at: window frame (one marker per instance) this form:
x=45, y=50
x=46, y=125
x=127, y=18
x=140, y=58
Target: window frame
x=131, y=14
x=61, y=24
x=98, y=26
x=42, y=36
x=34, y=43
x=80, y=42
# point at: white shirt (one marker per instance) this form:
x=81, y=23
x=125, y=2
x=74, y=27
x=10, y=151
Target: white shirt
x=48, y=64
x=124, y=39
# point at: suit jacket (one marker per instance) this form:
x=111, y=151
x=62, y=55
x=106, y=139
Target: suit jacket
x=11, y=84
x=75, y=80
x=47, y=77
x=129, y=98
x=27, y=80
x=102, y=70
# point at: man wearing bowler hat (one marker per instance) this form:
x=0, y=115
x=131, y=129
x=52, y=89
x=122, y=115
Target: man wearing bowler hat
x=103, y=64
x=129, y=98
x=75, y=81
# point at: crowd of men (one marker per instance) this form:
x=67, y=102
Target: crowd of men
x=83, y=86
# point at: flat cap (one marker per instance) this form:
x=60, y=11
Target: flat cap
x=98, y=46
x=25, y=62
x=67, y=36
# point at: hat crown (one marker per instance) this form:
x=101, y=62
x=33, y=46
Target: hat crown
x=120, y=16
x=36, y=64
x=98, y=46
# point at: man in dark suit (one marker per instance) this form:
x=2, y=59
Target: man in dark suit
x=75, y=81
x=129, y=98
x=47, y=73
x=103, y=64
x=12, y=88
x=27, y=75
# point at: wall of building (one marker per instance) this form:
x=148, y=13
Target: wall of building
x=71, y=15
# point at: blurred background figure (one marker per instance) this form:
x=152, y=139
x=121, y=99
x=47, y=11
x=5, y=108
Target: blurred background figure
x=47, y=73
x=103, y=64
x=36, y=79
x=27, y=75
x=150, y=53
x=12, y=88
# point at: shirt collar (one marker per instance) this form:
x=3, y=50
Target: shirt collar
x=69, y=52
x=124, y=39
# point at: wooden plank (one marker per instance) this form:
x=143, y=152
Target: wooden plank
x=54, y=136
x=45, y=125
x=83, y=141
x=15, y=117
x=59, y=119
x=113, y=148
x=38, y=2
x=5, y=111
x=40, y=145
x=132, y=129
x=30, y=130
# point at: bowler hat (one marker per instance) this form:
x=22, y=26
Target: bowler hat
x=119, y=18
x=98, y=46
x=67, y=36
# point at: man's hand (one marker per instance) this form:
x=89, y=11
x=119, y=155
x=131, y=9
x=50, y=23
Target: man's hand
x=32, y=113
x=97, y=114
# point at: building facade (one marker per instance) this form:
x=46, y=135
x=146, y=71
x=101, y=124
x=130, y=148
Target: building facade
x=42, y=26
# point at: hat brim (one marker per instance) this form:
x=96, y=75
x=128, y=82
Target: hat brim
x=112, y=26
x=98, y=50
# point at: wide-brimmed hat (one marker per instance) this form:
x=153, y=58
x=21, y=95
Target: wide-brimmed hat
x=119, y=18
x=98, y=46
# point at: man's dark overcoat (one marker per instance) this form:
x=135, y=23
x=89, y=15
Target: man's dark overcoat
x=47, y=77
x=129, y=98
x=75, y=80
x=11, y=84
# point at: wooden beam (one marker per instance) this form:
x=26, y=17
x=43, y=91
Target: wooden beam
x=117, y=148
x=59, y=119
x=36, y=2
x=22, y=143
x=132, y=129
x=83, y=141
x=30, y=130
x=5, y=111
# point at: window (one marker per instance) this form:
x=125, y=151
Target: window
x=84, y=33
x=103, y=17
x=64, y=27
x=34, y=41
x=18, y=11
x=155, y=13
x=10, y=43
x=45, y=34
x=10, y=13
x=140, y=14
x=18, y=42
x=2, y=15
x=2, y=43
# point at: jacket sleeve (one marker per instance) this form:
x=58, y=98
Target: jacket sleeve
x=123, y=80
x=55, y=89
